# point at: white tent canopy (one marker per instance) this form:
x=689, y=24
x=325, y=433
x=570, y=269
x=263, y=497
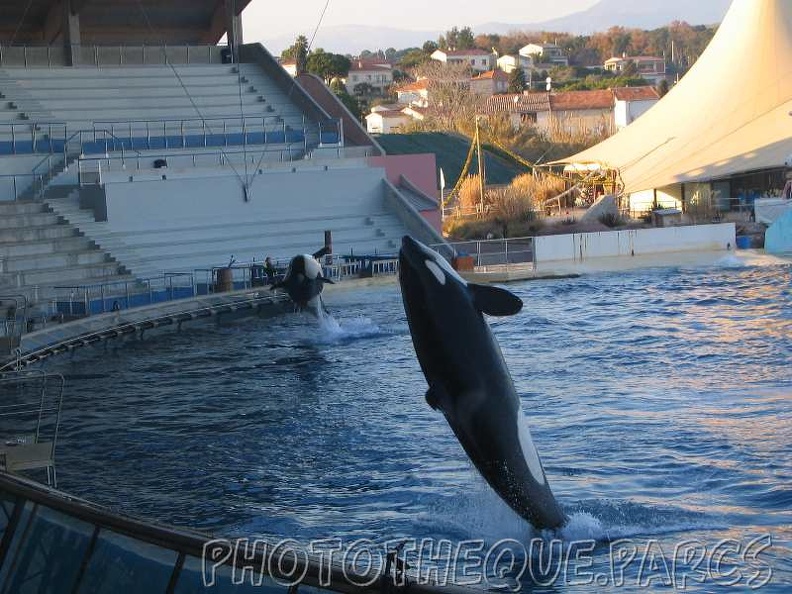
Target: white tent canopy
x=729, y=114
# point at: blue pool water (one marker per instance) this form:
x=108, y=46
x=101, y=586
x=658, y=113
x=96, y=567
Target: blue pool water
x=660, y=401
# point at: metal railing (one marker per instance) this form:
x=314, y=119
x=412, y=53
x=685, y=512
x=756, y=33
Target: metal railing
x=91, y=170
x=30, y=416
x=92, y=299
x=32, y=137
x=17, y=184
x=491, y=252
x=112, y=55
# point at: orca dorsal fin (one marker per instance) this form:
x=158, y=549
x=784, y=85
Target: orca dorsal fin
x=494, y=301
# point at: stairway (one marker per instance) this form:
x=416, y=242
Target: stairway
x=40, y=251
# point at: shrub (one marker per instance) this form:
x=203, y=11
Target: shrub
x=610, y=219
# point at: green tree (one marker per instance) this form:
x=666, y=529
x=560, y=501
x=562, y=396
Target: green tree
x=348, y=100
x=457, y=39
x=298, y=52
x=364, y=90
x=517, y=81
x=327, y=65
x=662, y=88
x=429, y=47
x=413, y=58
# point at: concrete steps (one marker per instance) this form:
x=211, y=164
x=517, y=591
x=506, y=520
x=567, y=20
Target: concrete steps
x=40, y=251
x=71, y=244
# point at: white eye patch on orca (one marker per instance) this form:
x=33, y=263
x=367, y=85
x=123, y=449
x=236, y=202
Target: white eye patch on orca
x=436, y=271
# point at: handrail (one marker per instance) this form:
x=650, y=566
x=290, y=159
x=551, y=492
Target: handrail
x=289, y=568
x=56, y=56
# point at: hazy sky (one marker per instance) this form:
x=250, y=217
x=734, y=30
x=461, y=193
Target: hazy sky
x=264, y=19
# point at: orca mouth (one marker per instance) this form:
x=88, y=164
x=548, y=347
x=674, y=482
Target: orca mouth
x=425, y=333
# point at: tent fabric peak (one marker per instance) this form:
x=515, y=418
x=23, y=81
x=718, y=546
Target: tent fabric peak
x=729, y=114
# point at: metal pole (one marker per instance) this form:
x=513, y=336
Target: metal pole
x=480, y=168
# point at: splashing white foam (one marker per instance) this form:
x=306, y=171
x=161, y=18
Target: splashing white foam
x=730, y=261
x=583, y=526
x=334, y=331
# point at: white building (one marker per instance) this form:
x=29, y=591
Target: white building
x=386, y=121
x=414, y=93
x=377, y=74
x=632, y=102
x=649, y=68
x=546, y=53
x=510, y=63
x=478, y=59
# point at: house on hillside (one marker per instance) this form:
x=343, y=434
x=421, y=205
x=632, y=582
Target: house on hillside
x=545, y=53
x=377, y=74
x=649, y=68
x=522, y=109
x=574, y=112
x=478, y=59
x=489, y=83
x=385, y=121
x=582, y=112
x=632, y=102
x=290, y=66
x=414, y=93
x=510, y=63
x=415, y=112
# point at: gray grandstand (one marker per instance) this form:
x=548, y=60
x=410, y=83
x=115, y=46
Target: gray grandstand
x=132, y=146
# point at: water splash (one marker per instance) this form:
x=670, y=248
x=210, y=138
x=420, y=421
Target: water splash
x=583, y=526
x=730, y=261
x=334, y=331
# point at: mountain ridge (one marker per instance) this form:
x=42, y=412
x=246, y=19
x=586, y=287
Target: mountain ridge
x=648, y=14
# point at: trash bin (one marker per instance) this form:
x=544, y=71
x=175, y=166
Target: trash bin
x=743, y=242
x=463, y=263
x=225, y=280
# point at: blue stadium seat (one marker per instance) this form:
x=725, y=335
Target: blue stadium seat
x=156, y=142
x=255, y=138
x=174, y=141
x=235, y=139
x=194, y=140
x=94, y=147
x=295, y=136
x=23, y=147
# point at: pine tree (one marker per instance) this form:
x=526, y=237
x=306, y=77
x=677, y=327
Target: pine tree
x=517, y=81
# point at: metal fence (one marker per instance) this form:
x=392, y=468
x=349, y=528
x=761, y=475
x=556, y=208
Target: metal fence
x=112, y=55
x=491, y=252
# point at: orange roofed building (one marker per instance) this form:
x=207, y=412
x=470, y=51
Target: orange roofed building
x=600, y=111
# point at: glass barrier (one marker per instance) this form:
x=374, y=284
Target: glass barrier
x=51, y=543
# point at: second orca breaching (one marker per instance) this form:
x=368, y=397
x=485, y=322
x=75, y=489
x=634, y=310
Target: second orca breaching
x=304, y=282
x=469, y=381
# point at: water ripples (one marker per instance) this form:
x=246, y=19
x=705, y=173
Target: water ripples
x=660, y=400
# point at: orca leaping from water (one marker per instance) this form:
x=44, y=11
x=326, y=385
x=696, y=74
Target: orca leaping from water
x=304, y=282
x=469, y=381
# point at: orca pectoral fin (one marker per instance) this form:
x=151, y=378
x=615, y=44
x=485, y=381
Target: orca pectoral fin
x=495, y=301
x=434, y=396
